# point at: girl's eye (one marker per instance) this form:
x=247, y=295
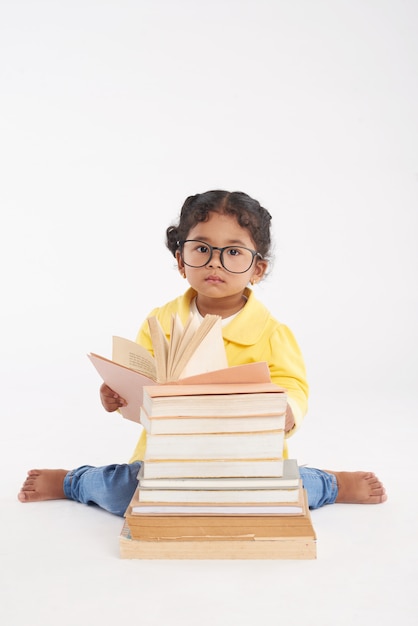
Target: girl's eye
x=202, y=249
x=233, y=252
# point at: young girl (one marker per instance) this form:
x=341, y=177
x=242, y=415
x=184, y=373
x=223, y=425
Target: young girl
x=221, y=245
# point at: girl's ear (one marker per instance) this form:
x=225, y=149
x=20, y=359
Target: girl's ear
x=260, y=269
x=180, y=264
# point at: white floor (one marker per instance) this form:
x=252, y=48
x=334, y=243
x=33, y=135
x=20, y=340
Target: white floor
x=60, y=561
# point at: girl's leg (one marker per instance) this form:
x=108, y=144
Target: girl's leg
x=321, y=486
x=111, y=487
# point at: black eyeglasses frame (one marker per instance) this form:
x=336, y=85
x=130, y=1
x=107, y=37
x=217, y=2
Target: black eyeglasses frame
x=254, y=253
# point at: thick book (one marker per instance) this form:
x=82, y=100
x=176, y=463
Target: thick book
x=219, y=468
x=182, y=527
x=224, y=446
x=214, y=400
x=289, y=479
x=242, y=495
x=281, y=547
x=179, y=528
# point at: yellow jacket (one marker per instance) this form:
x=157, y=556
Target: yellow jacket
x=253, y=335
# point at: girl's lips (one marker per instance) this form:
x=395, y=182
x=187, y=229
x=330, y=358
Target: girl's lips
x=214, y=279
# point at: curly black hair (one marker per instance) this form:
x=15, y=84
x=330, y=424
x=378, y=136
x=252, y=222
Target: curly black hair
x=247, y=211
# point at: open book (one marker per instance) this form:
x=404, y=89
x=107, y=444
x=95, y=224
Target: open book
x=193, y=349
x=195, y=354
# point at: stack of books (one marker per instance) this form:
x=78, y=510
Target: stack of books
x=213, y=484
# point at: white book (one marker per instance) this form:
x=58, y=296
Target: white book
x=180, y=425
x=289, y=478
x=225, y=446
x=213, y=509
x=213, y=468
x=213, y=400
x=219, y=496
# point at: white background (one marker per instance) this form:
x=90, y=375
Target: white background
x=111, y=114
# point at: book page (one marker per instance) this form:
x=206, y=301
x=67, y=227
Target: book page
x=176, y=333
x=131, y=354
x=209, y=352
x=182, y=344
x=160, y=345
x=195, y=349
x=198, y=355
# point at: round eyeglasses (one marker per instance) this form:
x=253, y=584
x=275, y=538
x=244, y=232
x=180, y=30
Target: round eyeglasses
x=235, y=259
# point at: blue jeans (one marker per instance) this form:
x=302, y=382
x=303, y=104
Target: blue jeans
x=112, y=486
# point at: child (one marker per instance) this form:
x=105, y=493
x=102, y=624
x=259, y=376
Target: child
x=221, y=244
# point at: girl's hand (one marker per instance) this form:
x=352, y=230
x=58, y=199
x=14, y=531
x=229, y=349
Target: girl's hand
x=290, y=420
x=110, y=399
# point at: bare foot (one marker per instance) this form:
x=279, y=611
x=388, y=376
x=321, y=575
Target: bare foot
x=44, y=484
x=359, y=488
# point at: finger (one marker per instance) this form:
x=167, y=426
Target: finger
x=107, y=391
x=113, y=403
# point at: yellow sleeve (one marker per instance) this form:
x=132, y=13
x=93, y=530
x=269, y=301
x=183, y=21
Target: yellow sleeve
x=287, y=369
